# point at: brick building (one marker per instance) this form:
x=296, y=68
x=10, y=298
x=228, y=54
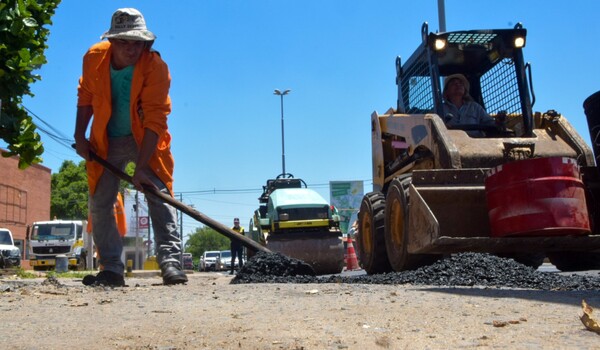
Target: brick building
x=24, y=198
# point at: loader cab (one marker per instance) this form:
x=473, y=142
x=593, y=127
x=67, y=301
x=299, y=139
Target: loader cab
x=491, y=60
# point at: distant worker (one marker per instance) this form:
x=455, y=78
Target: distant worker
x=459, y=106
x=236, y=247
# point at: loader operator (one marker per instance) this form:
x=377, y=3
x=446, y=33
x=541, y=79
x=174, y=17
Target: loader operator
x=125, y=87
x=459, y=107
x=236, y=247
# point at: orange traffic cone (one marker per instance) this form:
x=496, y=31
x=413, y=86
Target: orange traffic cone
x=351, y=261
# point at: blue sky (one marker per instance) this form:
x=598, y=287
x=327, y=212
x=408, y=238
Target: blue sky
x=337, y=57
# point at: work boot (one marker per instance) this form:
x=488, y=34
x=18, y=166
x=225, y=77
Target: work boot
x=104, y=278
x=172, y=274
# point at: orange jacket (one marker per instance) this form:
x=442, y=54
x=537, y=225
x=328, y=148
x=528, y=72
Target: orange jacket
x=150, y=106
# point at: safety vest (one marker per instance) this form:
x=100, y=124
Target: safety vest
x=238, y=230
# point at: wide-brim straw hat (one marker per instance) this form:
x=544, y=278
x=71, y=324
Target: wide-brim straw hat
x=128, y=24
x=457, y=76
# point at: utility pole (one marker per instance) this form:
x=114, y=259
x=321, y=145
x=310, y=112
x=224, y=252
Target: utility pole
x=137, y=230
x=181, y=232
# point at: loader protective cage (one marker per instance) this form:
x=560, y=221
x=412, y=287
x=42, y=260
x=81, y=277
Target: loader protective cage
x=490, y=61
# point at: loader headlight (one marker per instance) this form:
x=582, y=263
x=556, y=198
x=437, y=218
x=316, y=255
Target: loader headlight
x=439, y=44
x=284, y=217
x=519, y=42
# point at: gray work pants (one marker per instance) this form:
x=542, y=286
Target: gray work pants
x=109, y=243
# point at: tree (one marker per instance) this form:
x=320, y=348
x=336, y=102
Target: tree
x=22, y=45
x=69, y=192
x=205, y=238
x=129, y=170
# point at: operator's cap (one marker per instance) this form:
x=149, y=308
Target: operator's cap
x=128, y=24
x=457, y=76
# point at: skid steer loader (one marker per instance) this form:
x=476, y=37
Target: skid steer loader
x=438, y=190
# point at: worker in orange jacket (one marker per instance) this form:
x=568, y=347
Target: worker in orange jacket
x=124, y=93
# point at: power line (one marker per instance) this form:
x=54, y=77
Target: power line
x=56, y=134
x=67, y=142
x=249, y=190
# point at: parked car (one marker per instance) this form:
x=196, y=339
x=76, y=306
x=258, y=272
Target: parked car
x=10, y=255
x=208, y=261
x=188, y=262
x=225, y=261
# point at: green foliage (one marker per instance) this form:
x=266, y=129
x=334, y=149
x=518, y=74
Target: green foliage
x=23, y=36
x=129, y=170
x=70, y=191
x=22, y=273
x=69, y=274
x=69, y=194
x=205, y=238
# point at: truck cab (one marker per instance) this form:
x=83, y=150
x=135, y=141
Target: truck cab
x=47, y=239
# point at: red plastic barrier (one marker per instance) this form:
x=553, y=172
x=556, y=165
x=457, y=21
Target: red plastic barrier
x=537, y=197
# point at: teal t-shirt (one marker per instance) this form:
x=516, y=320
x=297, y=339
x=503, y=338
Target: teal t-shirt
x=120, y=120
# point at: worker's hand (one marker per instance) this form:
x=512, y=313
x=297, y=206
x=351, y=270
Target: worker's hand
x=140, y=179
x=83, y=147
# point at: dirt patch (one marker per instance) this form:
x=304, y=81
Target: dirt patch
x=211, y=313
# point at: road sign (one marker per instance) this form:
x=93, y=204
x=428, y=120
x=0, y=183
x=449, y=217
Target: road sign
x=143, y=222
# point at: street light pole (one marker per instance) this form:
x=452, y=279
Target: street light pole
x=442, y=15
x=281, y=94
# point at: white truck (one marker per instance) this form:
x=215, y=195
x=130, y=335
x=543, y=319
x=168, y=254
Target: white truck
x=10, y=255
x=47, y=239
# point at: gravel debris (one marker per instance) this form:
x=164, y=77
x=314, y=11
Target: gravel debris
x=274, y=264
x=464, y=269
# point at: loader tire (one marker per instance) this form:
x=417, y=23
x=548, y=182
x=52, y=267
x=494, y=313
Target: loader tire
x=396, y=228
x=575, y=261
x=370, y=240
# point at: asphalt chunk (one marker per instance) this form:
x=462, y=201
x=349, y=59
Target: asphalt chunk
x=263, y=267
x=459, y=270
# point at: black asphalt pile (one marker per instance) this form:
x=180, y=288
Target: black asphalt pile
x=465, y=269
x=264, y=267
